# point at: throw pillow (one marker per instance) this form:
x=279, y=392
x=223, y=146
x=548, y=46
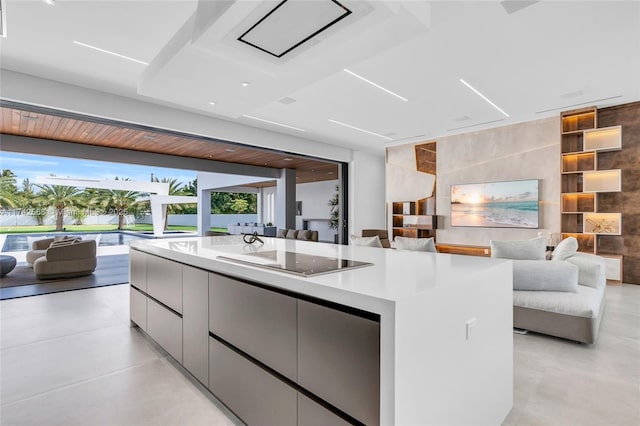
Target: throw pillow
x=305, y=235
x=292, y=234
x=415, y=244
x=533, y=249
x=282, y=233
x=366, y=241
x=567, y=248
x=534, y=275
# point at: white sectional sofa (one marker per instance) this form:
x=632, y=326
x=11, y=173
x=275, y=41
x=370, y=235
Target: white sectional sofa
x=562, y=297
x=567, y=314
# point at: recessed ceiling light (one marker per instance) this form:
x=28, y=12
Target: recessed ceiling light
x=30, y=117
x=273, y=122
x=483, y=97
x=329, y=173
x=150, y=137
x=245, y=84
x=212, y=103
x=49, y=2
x=359, y=129
x=376, y=85
x=230, y=150
x=288, y=159
x=109, y=52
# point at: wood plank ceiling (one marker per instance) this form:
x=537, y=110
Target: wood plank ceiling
x=60, y=128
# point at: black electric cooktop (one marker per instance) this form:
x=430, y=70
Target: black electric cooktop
x=305, y=265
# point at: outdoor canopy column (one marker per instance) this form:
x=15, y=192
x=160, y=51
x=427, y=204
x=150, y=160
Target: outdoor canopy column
x=204, y=211
x=286, y=199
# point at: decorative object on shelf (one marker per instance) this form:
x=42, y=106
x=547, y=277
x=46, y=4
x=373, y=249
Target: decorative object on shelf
x=298, y=208
x=601, y=226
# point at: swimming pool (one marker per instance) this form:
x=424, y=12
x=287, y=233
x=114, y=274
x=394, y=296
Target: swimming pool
x=18, y=242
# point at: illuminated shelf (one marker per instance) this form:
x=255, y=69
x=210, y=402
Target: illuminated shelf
x=578, y=202
x=603, y=139
x=575, y=163
x=602, y=223
x=577, y=121
x=602, y=181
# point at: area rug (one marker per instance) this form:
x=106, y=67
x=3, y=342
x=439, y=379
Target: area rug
x=22, y=282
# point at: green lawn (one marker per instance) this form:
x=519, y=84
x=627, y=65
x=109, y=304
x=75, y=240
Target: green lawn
x=93, y=228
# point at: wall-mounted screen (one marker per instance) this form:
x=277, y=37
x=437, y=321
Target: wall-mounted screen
x=511, y=204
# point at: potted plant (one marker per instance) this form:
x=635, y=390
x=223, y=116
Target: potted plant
x=334, y=213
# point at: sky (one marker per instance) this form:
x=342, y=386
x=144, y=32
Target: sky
x=31, y=166
x=522, y=190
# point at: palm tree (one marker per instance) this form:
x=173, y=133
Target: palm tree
x=120, y=202
x=60, y=197
x=8, y=188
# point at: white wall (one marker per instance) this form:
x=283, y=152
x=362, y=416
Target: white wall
x=522, y=151
x=366, y=192
x=315, y=197
x=217, y=220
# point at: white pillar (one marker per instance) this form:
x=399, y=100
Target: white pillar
x=204, y=211
x=158, y=216
x=260, y=203
x=286, y=199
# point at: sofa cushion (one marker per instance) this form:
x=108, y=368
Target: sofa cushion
x=292, y=234
x=565, y=249
x=584, y=303
x=415, y=244
x=304, y=235
x=533, y=249
x=366, y=241
x=543, y=275
x=282, y=233
x=591, y=269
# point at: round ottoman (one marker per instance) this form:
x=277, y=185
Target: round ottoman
x=7, y=263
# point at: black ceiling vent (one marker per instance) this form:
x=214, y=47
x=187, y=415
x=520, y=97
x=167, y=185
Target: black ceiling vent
x=291, y=23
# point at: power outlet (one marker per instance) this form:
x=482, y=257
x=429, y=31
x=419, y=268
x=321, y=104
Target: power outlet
x=470, y=325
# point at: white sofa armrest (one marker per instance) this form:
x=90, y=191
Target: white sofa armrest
x=591, y=269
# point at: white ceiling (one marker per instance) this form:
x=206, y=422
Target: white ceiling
x=532, y=63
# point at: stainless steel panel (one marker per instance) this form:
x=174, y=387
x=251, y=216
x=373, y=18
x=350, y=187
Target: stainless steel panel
x=164, y=281
x=138, y=308
x=195, y=322
x=312, y=414
x=254, y=395
x=138, y=270
x=260, y=322
x=339, y=359
x=165, y=327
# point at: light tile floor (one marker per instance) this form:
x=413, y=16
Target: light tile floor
x=72, y=359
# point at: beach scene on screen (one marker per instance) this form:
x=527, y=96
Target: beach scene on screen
x=511, y=204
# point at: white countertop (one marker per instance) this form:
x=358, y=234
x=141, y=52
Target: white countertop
x=394, y=276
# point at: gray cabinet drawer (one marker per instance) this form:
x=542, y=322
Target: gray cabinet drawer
x=165, y=327
x=339, y=359
x=138, y=308
x=195, y=322
x=164, y=281
x=311, y=413
x=138, y=270
x=254, y=395
x=260, y=322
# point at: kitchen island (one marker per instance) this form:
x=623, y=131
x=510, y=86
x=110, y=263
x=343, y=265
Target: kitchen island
x=289, y=332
